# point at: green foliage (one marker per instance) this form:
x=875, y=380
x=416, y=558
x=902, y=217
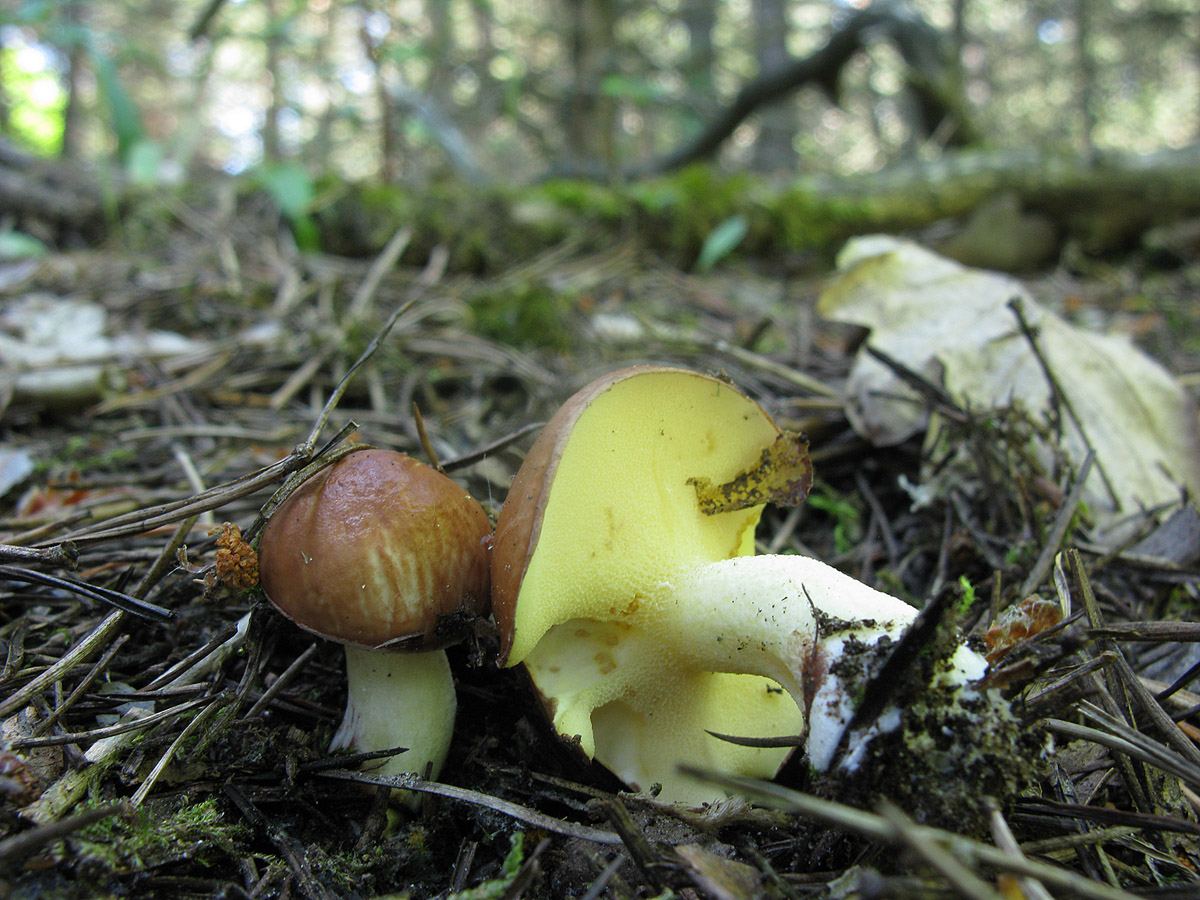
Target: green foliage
x=847, y=517
x=18, y=245
x=123, y=116
x=636, y=90
x=680, y=213
x=293, y=191
x=586, y=198
x=86, y=453
x=967, y=600
x=36, y=104
x=722, y=241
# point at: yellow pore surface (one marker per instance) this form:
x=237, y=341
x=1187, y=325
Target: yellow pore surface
x=621, y=518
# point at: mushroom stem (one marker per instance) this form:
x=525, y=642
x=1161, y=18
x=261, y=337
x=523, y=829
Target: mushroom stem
x=768, y=615
x=398, y=700
x=787, y=619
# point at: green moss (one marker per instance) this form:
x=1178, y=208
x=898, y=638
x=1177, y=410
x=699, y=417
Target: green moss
x=83, y=454
x=153, y=836
x=533, y=315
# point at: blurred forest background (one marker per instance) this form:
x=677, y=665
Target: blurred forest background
x=302, y=96
x=218, y=215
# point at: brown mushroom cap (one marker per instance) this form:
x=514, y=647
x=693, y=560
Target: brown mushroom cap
x=376, y=549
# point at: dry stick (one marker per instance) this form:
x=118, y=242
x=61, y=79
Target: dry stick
x=784, y=373
x=336, y=396
x=103, y=633
x=599, y=885
x=1150, y=631
x=877, y=828
x=1154, y=752
x=504, y=807
x=298, y=379
x=1062, y=521
x=527, y=874
x=423, y=437
x=108, y=731
x=1136, y=781
x=86, y=682
x=1059, y=395
x=121, y=601
x=53, y=526
x=1045, y=696
x=880, y=515
x=143, y=520
x=192, y=475
x=281, y=682
x=1003, y=836
x=68, y=789
x=1154, y=711
x=191, y=659
x=1160, y=758
x=380, y=266
x=1097, y=861
x=495, y=446
x=298, y=477
x=925, y=845
x=99, y=637
x=191, y=728
x=289, y=848
x=1085, y=839
x=26, y=842
x=60, y=555
x=1110, y=816
x=645, y=855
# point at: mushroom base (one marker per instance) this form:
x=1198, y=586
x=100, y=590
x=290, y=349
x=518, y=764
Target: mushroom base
x=398, y=700
x=750, y=647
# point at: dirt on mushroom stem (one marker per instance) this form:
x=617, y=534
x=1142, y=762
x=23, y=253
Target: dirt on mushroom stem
x=950, y=754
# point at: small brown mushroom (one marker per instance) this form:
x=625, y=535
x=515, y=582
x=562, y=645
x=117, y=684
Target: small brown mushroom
x=390, y=558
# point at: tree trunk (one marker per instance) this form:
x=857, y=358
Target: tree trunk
x=699, y=17
x=588, y=118
x=440, y=50
x=72, y=137
x=1087, y=74
x=388, y=150
x=273, y=47
x=919, y=44
x=319, y=150
x=773, y=151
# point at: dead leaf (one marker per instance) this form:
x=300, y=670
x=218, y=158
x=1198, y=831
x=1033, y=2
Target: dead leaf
x=954, y=326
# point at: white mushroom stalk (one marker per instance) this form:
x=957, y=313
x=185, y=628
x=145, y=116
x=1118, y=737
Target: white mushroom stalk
x=742, y=616
x=401, y=700
x=624, y=580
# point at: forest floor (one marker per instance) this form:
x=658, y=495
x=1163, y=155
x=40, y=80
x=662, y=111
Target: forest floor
x=179, y=747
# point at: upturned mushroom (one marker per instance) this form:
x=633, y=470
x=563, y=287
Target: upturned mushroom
x=624, y=579
x=389, y=557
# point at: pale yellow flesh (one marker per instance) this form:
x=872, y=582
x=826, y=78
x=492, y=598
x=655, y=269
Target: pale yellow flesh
x=621, y=516
x=708, y=651
x=621, y=523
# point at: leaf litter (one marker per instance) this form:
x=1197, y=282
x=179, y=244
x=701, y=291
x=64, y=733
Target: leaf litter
x=165, y=733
